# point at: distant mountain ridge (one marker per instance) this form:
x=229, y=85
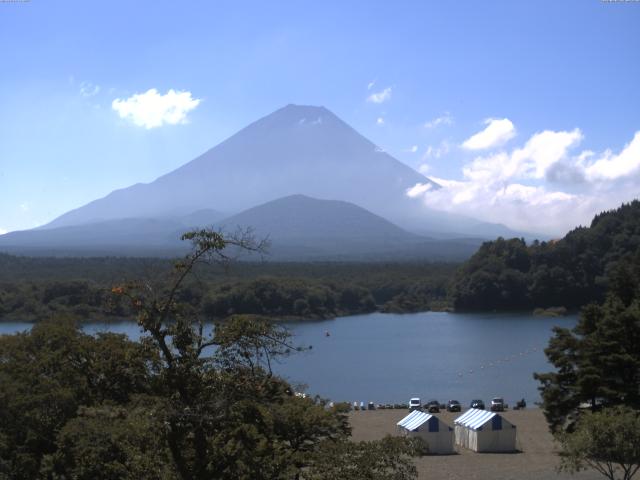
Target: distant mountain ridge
x=298, y=227
x=300, y=216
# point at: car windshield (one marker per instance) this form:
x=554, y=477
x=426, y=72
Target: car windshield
x=498, y=400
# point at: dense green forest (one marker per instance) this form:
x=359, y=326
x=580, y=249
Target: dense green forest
x=571, y=272
x=34, y=288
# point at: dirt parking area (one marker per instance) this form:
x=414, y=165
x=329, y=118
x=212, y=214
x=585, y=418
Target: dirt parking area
x=536, y=458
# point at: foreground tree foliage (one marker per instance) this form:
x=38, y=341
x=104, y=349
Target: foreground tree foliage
x=179, y=404
x=607, y=441
x=597, y=362
x=592, y=399
x=46, y=375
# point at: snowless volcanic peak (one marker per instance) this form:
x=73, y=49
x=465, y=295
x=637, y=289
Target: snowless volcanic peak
x=296, y=149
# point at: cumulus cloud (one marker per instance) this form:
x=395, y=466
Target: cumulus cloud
x=419, y=189
x=541, y=186
x=380, y=97
x=497, y=132
x=411, y=149
x=612, y=167
x=380, y=121
x=371, y=84
x=152, y=109
x=445, y=119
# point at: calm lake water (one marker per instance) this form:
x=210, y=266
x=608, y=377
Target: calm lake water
x=388, y=358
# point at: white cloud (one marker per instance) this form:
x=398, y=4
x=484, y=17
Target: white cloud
x=522, y=207
x=411, y=149
x=496, y=133
x=152, y=109
x=424, y=168
x=445, y=119
x=419, y=189
x=380, y=97
x=3, y=231
x=25, y=207
x=544, y=149
x=522, y=187
x=380, y=121
x=534, y=160
x=612, y=167
x=371, y=84
x=88, y=89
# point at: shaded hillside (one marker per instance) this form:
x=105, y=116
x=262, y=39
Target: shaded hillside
x=302, y=219
x=304, y=228
x=571, y=272
x=129, y=236
x=300, y=228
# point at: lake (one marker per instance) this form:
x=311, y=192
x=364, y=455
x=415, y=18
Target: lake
x=388, y=358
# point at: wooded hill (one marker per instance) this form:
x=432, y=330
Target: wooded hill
x=570, y=272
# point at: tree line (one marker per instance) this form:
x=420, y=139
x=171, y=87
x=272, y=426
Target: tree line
x=571, y=272
x=306, y=291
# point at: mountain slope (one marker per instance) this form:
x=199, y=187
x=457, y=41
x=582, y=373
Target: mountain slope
x=298, y=227
x=304, y=228
x=127, y=236
x=305, y=218
x=297, y=149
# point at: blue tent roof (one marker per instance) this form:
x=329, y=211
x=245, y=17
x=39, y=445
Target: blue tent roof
x=414, y=420
x=475, y=418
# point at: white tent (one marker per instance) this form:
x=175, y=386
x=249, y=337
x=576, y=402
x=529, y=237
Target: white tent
x=437, y=435
x=483, y=431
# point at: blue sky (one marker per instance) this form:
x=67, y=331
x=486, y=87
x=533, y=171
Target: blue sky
x=551, y=88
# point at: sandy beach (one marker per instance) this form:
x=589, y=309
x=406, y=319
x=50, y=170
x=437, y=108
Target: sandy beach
x=535, y=460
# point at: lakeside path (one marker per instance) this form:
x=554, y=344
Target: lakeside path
x=536, y=459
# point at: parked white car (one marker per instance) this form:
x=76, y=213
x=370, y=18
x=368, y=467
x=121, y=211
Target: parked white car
x=414, y=404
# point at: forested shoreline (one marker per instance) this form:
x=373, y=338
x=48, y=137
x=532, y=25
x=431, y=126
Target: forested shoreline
x=503, y=275
x=35, y=288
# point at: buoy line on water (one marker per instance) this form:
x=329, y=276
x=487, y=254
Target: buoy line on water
x=500, y=361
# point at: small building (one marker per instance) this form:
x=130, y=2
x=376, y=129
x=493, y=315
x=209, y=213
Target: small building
x=483, y=431
x=437, y=435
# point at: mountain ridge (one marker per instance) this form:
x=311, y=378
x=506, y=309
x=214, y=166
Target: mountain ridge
x=299, y=228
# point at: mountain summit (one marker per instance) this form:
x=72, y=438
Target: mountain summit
x=296, y=149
